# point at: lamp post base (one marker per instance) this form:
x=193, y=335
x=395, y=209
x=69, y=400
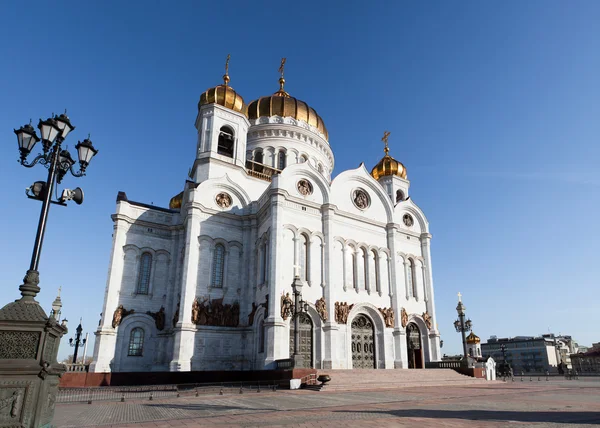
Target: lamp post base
x=29, y=372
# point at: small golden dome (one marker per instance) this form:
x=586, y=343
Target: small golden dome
x=224, y=95
x=284, y=105
x=473, y=339
x=388, y=165
x=175, y=202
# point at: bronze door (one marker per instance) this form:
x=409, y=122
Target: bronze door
x=305, y=327
x=363, y=343
x=414, y=348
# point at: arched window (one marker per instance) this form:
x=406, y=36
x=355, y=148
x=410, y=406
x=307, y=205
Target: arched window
x=304, y=242
x=354, y=279
x=263, y=263
x=376, y=259
x=399, y=196
x=365, y=268
x=258, y=161
x=218, y=266
x=143, y=284
x=303, y=158
x=136, y=342
x=320, y=168
x=261, y=337
x=225, y=143
x=412, y=278
x=281, y=160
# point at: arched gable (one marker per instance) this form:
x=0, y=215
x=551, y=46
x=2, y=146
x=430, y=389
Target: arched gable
x=207, y=191
x=421, y=224
x=289, y=177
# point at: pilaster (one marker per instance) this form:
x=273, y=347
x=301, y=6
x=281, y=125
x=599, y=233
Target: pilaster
x=330, y=328
x=434, y=335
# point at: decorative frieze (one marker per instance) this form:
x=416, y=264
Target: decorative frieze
x=215, y=313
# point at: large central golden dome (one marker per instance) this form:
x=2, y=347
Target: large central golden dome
x=282, y=104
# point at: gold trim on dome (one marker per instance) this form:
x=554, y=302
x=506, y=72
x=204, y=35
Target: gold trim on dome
x=473, y=339
x=283, y=104
x=224, y=95
x=388, y=165
x=175, y=202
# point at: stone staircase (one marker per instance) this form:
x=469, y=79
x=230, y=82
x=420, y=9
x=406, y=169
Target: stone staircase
x=344, y=380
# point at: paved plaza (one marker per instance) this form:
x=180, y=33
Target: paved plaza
x=488, y=404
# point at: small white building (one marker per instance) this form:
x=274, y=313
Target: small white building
x=473, y=345
x=202, y=284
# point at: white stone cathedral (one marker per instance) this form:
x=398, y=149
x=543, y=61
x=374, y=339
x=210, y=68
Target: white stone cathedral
x=203, y=284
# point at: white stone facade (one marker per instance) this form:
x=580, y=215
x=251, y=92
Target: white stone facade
x=245, y=248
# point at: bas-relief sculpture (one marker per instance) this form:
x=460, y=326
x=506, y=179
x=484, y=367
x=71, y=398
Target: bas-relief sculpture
x=341, y=312
x=159, y=318
x=215, y=313
x=176, y=315
x=119, y=314
x=403, y=317
x=286, y=306
x=388, y=316
x=427, y=319
x=321, y=307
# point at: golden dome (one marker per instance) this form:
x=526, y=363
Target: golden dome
x=175, y=202
x=473, y=339
x=282, y=104
x=224, y=95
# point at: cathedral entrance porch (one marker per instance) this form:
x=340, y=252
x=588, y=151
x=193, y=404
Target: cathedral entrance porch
x=363, y=343
x=414, y=347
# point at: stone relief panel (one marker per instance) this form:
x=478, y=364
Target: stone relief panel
x=223, y=200
x=304, y=187
x=18, y=344
x=361, y=199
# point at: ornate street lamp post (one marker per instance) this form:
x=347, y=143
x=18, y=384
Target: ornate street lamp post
x=29, y=339
x=461, y=325
x=77, y=342
x=299, y=307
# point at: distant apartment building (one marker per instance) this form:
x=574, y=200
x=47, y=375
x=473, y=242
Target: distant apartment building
x=529, y=354
x=587, y=361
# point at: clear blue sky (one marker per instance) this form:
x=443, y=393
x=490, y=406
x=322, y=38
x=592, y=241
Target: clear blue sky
x=493, y=108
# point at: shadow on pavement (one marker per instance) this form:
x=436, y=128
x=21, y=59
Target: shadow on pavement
x=206, y=407
x=591, y=418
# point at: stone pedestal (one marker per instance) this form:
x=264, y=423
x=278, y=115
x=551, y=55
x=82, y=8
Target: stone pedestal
x=29, y=372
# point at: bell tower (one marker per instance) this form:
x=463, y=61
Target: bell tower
x=222, y=125
x=391, y=174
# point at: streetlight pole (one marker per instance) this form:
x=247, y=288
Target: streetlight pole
x=300, y=306
x=77, y=342
x=461, y=325
x=29, y=356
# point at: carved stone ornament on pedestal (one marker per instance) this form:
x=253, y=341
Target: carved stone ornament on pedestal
x=361, y=199
x=215, y=313
x=407, y=220
x=286, y=306
x=304, y=187
x=403, y=317
x=176, y=315
x=388, y=316
x=341, y=312
x=427, y=319
x=223, y=200
x=159, y=318
x=321, y=306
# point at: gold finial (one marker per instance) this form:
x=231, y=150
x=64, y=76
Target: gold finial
x=386, y=135
x=282, y=66
x=226, y=76
x=459, y=297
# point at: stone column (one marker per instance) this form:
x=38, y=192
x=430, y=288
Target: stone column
x=330, y=327
x=434, y=335
x=106, y=335
x=274, y=325
x=184, y=329
x=399, y=334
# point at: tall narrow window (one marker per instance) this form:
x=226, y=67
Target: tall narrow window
x=258, y=161
x=409, y=277
x=376, y=260
x=218, y=266
x=261, y=336
x=366, y=268
x=143, y=284
x=225, y=142
x=281, y=160
x=354, y=280
x=263, y=263
x=304, y=257
x=412, y=278
x=136, y=342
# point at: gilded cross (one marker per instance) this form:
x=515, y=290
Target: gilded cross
x=297, y=271
x=227, y=64
x=59, y=290
x=386, y=135
x=459, y=297
x=281, y=67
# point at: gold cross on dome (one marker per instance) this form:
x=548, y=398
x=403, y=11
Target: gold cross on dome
x=281, y=67
x=386, y=135
x=296, y=270
x=227, y=64
x=59, y=290
x=459, y=297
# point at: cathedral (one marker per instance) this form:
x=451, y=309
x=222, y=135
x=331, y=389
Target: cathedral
x=208, y=283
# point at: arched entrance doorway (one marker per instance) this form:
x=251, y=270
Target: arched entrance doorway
x=413, y=345
x=305, y=347
x=363, y=343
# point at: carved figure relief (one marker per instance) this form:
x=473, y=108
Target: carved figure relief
x=8, y=406
x=388, y=316
x=360, y=199
x=408, y=220
x=304, y=187
x=427, y=319
x=223, y=200
x=322, y=308
x=252, y=313
x=176, y=315
x=215, y=313
x=341, y=312
x=119, y=314
x=403, y=317
x=286, y=306
x=159, y=318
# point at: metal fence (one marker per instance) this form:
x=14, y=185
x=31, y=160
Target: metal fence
x=150, y=392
